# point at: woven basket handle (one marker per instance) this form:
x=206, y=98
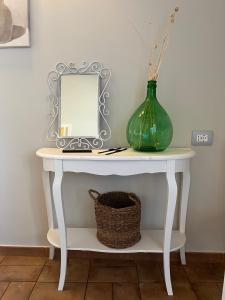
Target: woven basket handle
x=133, y=198
x=93, y=194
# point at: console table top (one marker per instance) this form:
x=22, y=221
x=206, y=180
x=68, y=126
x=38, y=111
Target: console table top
x=129, y=154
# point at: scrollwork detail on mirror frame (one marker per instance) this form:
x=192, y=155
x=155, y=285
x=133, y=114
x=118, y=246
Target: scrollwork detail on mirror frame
x=72, y=143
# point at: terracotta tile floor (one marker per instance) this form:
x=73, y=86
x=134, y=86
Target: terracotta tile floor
x=36, y=278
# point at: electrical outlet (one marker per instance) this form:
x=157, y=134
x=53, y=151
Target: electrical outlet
x=202, y=137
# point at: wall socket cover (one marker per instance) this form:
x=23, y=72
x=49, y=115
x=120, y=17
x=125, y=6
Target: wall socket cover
x=202, y=137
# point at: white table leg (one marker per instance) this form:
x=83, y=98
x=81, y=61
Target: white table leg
x=183, y=206
x=171, y=205
x=48, y=201
x=57, y=195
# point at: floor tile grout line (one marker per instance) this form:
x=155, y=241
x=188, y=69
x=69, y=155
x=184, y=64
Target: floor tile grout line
x=200, y=282
x=183, y=268
x=18, y=281
x=87, y=281
x=208, y=284
x=138, y=277
x=163, y=278
x=215, y=283
x=5, y=290
x=16, y=265
x=32, y=289
x=47, y=260
x=3, y=257
x=189, y=281
x=186, y=273
x=24, y=256
x=37, y=279
x=196, y=295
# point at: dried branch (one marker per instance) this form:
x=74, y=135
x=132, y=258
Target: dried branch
x=155, y=65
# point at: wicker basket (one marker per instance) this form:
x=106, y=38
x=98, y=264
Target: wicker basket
x=118, y=216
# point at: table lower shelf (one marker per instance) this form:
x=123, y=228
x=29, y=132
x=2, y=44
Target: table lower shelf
x=85, y=239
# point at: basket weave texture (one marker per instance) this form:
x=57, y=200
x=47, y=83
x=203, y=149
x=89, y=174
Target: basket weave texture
x=118, y=216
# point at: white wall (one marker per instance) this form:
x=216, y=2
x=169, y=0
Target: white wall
x=117, y=33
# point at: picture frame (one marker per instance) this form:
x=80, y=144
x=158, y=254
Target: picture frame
x=14, y=23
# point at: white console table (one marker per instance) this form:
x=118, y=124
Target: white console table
x=124, y=163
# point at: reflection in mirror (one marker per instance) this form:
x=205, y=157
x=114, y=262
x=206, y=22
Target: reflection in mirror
x=79, y=105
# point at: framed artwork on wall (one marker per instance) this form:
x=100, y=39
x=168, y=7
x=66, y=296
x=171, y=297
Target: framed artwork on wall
x=14, y=23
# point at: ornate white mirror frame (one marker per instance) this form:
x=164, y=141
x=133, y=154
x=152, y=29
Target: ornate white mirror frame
x=54, y=80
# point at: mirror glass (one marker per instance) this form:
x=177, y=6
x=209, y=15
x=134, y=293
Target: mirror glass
x=79, y=112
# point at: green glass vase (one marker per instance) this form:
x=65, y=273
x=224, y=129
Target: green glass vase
x=150, y=128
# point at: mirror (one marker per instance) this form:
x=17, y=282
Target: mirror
x=79, y=106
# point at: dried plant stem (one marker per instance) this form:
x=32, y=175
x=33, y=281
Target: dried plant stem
x=162, y=55
x=155, y=66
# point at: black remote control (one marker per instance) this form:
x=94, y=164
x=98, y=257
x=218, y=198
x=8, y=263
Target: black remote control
x=77, y=151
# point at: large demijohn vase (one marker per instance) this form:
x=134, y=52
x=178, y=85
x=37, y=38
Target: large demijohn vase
x=150, y=128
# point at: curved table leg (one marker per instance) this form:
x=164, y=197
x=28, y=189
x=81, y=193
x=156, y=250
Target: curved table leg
x=48, y=201
x=57, y=195
x=183, y=206
x=171, y=205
